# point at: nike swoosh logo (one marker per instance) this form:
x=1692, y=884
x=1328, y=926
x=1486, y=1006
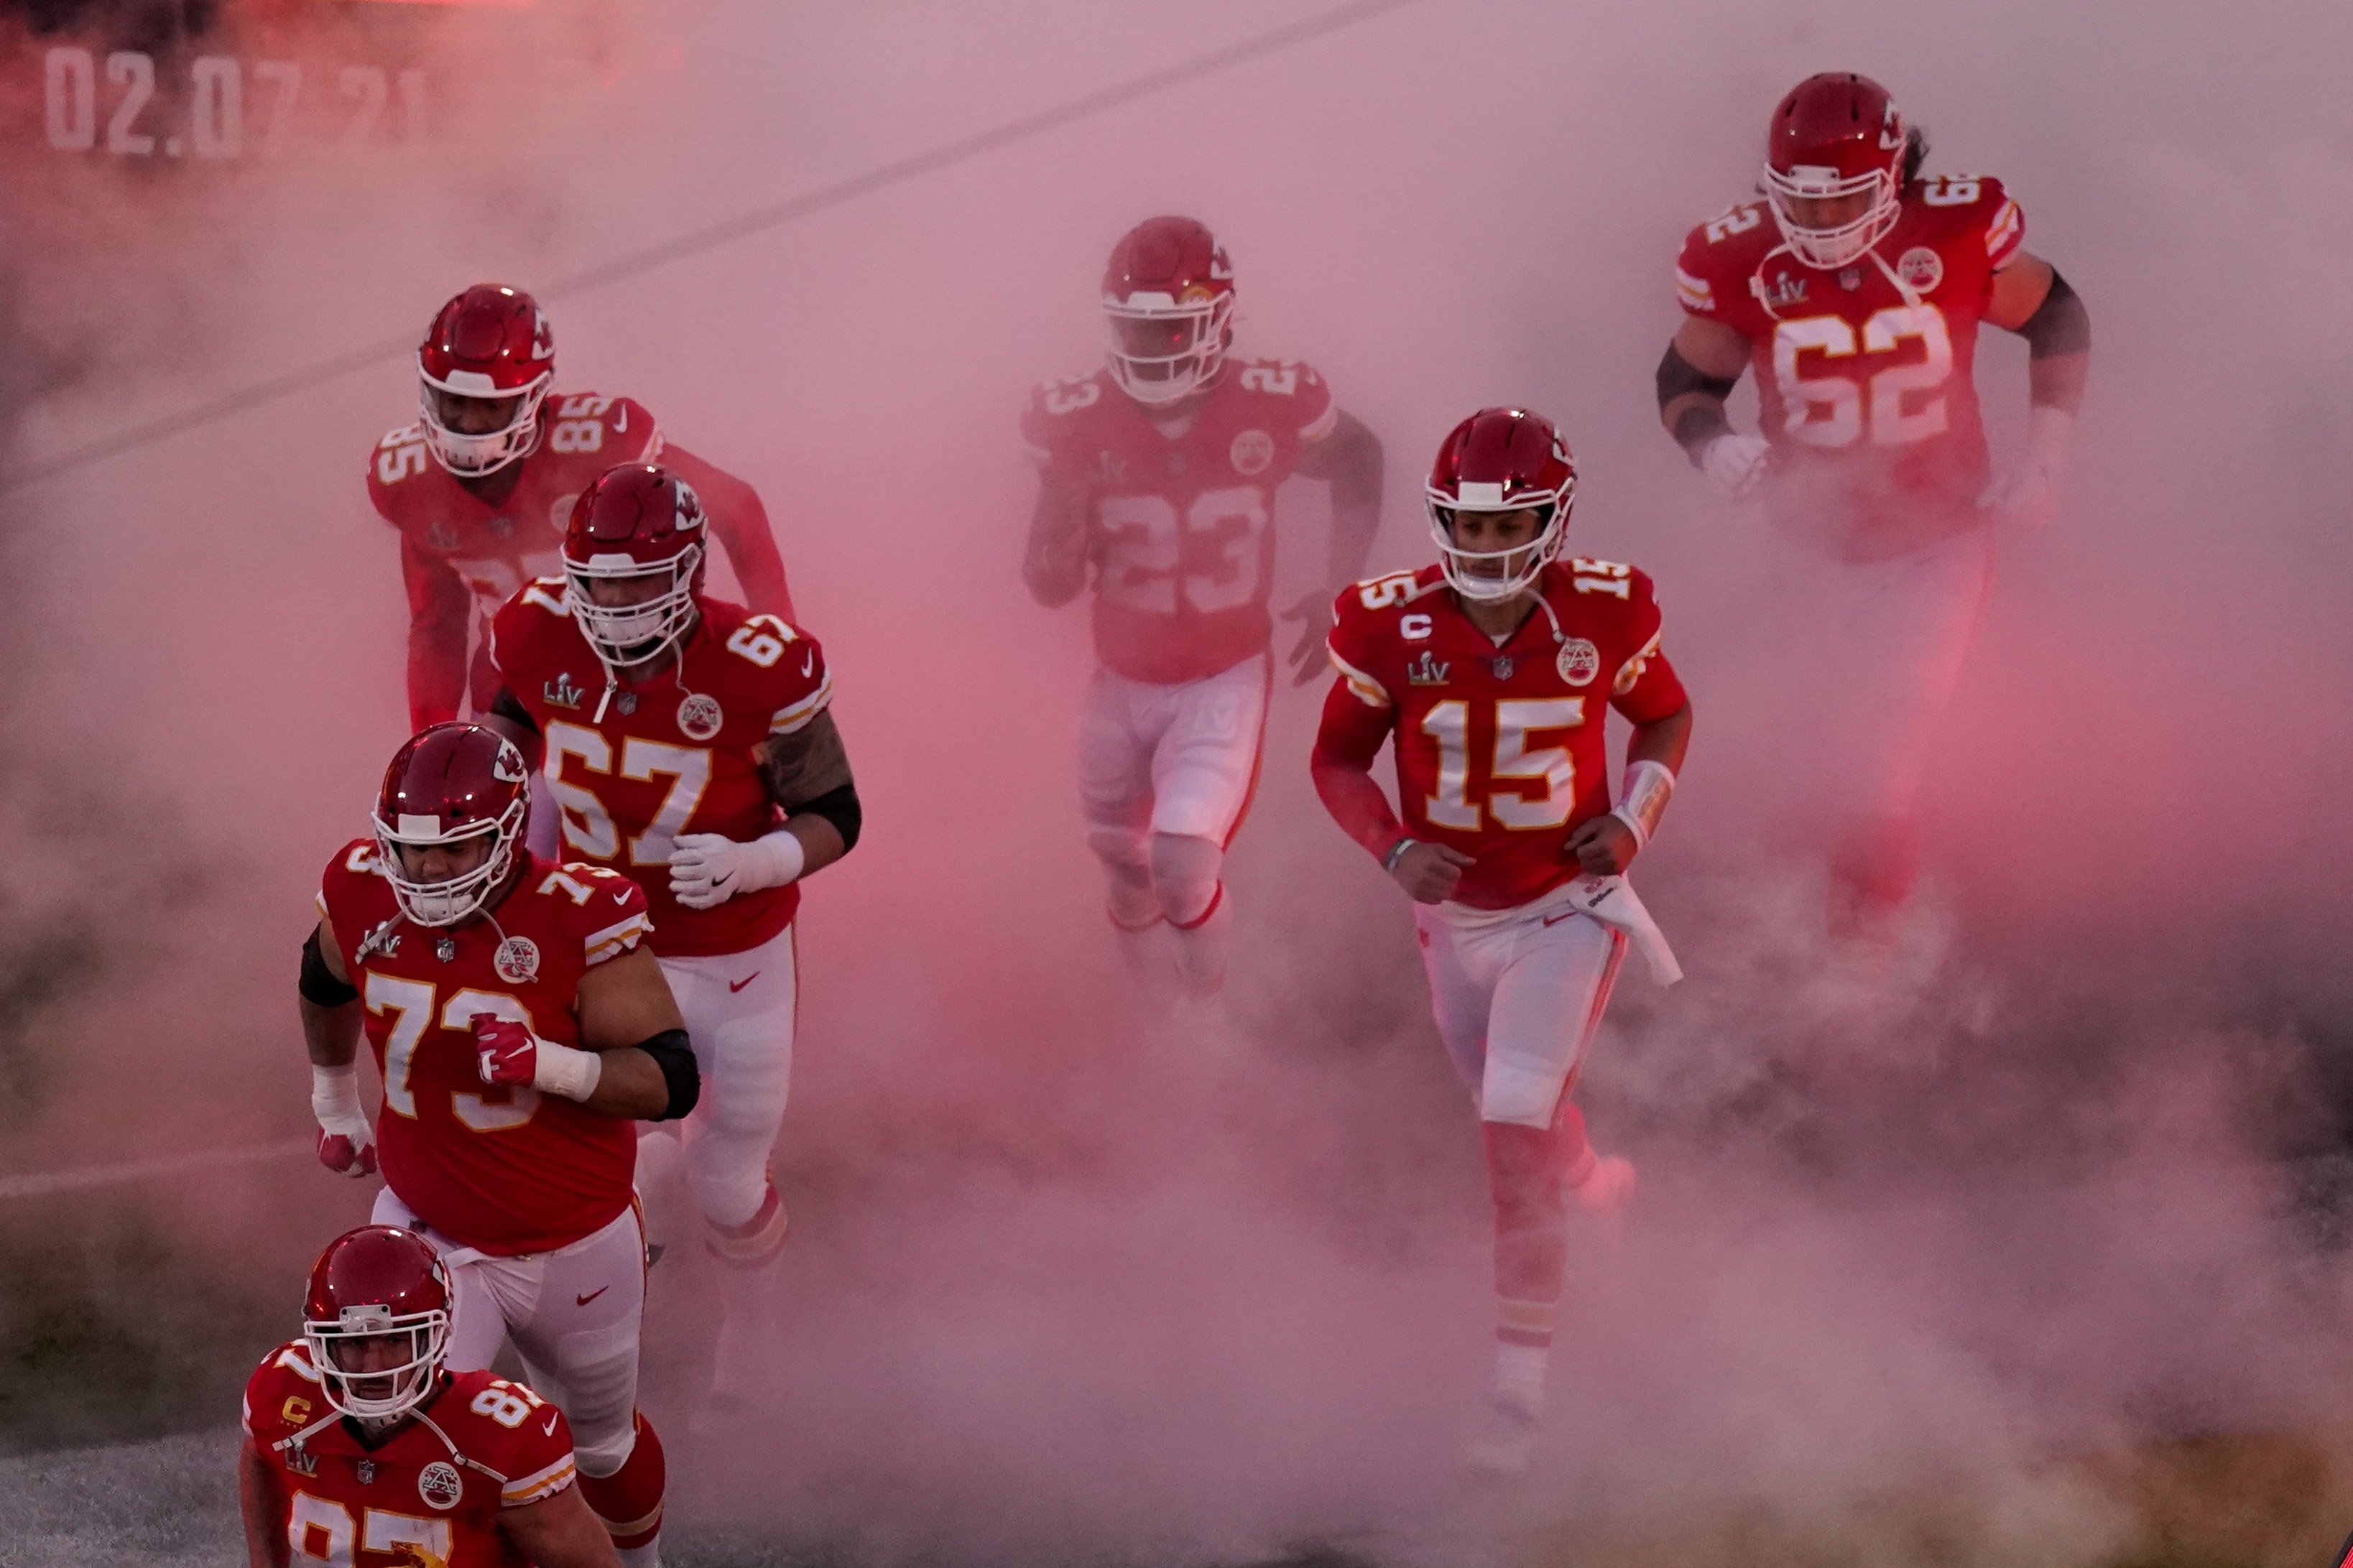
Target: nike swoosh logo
x=584, y=1301
x=549, y=1430
x=622, y=423
x=1555, y=920
x=808, y=663
x=622, y=897
x=739, y=984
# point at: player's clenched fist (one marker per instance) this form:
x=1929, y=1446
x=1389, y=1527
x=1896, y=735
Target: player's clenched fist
x=1428, y=872
x=706, y=870
x=509, y=1054
x=1603, y=846
x=505, y=1052
x=346, y=1144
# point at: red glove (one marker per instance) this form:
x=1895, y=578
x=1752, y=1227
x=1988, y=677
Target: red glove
x=507, y=1053
x=338, y=1154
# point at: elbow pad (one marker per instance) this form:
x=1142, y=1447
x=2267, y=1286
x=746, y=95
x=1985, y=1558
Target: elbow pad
x=2060, y=325
x=675, y=1057
x=1677, y=375
x=840, y=807
x=318, y=984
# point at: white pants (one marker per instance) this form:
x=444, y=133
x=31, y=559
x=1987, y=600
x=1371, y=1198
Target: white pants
x=1518, y=994
x=1177, y=759
x=574, y=1316
x=1877, y=650
x=739, y=1009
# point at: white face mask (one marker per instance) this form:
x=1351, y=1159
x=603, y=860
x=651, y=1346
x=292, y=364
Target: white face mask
x=472, y=455
x=1153, y=370
x=406, y=1386
x=1488, y=576
x=627, y=636
x=1827, y=248
x=446, y=903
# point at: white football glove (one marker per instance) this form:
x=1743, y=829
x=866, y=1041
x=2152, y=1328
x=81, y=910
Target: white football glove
x=706, y=870
x=1735, y=462
x=2030, y=497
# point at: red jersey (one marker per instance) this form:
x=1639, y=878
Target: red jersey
x=506, y=1169
x=1502, y=753
x=1866, y=396
x=674, y=755
x=436, y=1488
x=1181, y=513
x=464, y=555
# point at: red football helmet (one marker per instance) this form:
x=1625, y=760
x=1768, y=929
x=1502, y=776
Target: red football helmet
x=370, y=1284
x=451, y=782
x=1837, y=134
x=1500, y=460
x=1169, y=294
x=636, y=521
x=490, y=341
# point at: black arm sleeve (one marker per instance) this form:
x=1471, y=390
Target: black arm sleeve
x=840, y=807
x=2060, y=325
x=675, y=1057
x=508, y=705
x=1678, y=375
x=318, y=984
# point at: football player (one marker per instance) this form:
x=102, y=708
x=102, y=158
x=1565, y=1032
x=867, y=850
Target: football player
x=362, y=1447
x=1492, y=674
x=1157, y=474
x=1854, y=288
x=688, y=746
x=519, y=1024
x=481, y=487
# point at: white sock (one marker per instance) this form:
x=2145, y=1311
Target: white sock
x=646, y=1556
x=1520, y=1376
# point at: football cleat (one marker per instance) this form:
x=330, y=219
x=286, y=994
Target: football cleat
x=1506, y=1444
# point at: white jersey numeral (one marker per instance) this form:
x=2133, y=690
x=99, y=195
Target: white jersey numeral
x=1144, y=567
x=410, y=1002
x=588, y=827
x=1552, y=767
x=1828, y=411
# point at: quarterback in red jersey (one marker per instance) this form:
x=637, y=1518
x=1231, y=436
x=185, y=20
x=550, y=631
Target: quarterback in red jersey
x=364, y=1450
x=1492, y=673
x=519, y=1023
x=1854, y=289
x=481, y=487
x=1158, y=471
x=689, y=746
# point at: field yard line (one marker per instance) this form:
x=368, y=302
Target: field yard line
x=41, y=1183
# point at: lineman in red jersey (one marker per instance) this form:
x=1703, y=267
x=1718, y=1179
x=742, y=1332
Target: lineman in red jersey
x=1855, y=290
x=1159, y=470
x=677, y=731
x=362, y=1448
x=1489, y=672
x=519, y=1024
x=481, y=487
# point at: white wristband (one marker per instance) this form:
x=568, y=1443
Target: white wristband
x=335, y=1092
x=1642, y=799
x=560, y=1069
x=772, y=861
